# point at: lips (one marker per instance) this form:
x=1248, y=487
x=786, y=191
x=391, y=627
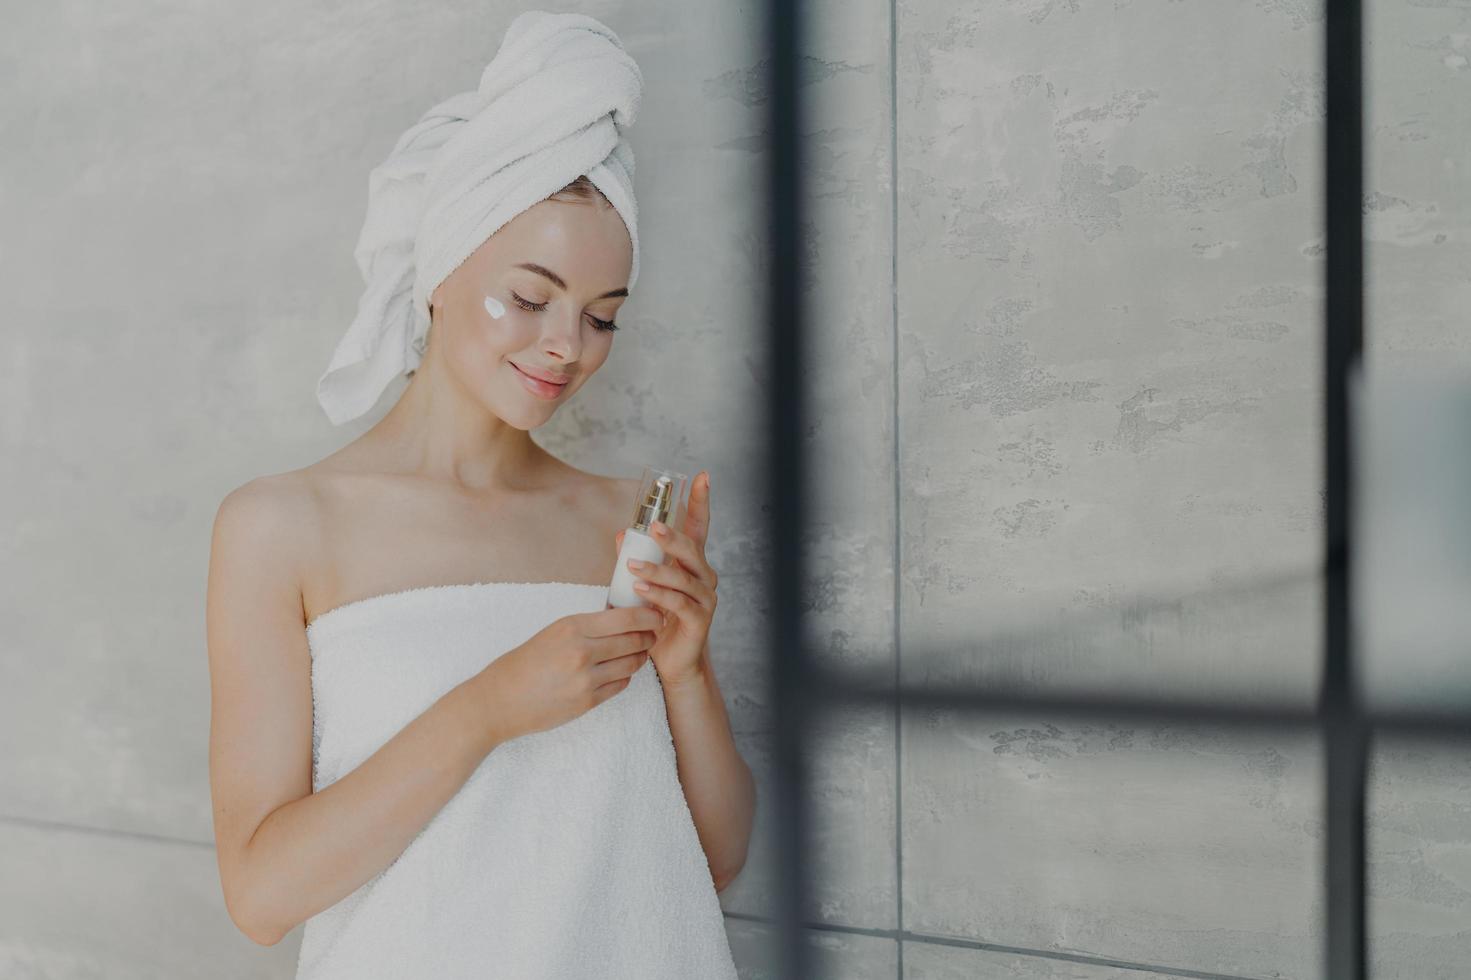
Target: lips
x=540, y=375
x=535, y=385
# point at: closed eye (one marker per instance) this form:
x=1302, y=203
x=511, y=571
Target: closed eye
x=526, y=304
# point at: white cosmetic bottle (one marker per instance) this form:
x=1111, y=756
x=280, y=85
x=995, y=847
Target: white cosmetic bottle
x=660, y=498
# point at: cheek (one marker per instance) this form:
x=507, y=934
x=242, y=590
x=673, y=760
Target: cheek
x=597, y=351
x=501, y=330
x=479, y=344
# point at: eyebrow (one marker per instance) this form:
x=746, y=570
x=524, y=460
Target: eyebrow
x=542, y=270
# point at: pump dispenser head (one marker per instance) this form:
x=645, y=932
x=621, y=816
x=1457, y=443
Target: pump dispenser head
x=661, y=496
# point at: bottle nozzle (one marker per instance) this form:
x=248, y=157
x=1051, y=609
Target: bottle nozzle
x=655, y=505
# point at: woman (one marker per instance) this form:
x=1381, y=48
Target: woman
x=430, y=740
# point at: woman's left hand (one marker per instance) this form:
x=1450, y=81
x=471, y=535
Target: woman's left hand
x=684, y=589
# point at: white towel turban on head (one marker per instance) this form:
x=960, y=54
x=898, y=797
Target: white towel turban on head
x=551, y=106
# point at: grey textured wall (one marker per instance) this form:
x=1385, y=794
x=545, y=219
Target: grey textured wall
x=1067, y=285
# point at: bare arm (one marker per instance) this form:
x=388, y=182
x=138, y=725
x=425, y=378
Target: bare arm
x=717, y=782
x=284, y=852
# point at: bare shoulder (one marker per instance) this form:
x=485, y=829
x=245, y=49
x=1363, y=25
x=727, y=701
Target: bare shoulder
x=265, y=499
x=269, y=505
x=270, y=522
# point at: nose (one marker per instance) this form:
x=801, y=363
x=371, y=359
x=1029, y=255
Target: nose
x=563, y=337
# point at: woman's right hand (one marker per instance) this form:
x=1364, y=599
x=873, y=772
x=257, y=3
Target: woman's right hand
x=571, y=666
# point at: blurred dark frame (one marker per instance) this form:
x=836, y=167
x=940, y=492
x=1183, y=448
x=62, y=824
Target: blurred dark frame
x=803, y=688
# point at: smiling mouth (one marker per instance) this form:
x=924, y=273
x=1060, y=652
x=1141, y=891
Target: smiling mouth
x=542, y=376
x=538, y=387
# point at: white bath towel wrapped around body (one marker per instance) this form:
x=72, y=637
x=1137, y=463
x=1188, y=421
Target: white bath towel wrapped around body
x=569, y=854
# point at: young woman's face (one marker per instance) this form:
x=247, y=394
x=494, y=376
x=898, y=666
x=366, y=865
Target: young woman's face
x=503, y=317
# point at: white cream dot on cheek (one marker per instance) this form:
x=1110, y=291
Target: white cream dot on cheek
x=495, y=307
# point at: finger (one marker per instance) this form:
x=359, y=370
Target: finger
x=618, y=539
x=684, y=548
x=622, y=645
x=610, y=671
x=697, y=515
x=622, y=619
x=674, y=577
x=621, y=680
x=676, y=602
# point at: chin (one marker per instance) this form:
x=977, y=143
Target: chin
x=523, y=420
x=528, y=417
